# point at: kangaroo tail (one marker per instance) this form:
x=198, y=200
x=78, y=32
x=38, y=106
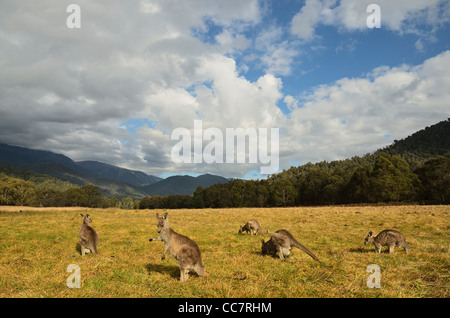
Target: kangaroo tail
x=260, y=231
x=304, y=249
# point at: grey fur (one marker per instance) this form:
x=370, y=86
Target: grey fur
x=183, y=249
x=389, y=238
x=88, y=236
x=281, y=244
x=251, y=226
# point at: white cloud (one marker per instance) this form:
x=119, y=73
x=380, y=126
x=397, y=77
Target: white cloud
x=353, y=116
x=71, y=91
x=419, y=45
x=277, y=54
x=350, y=15
x=312, y=13
x=291, y=102
x=229, y=41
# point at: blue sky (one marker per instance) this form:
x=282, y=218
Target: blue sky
x=335, y=53
x=114, y=89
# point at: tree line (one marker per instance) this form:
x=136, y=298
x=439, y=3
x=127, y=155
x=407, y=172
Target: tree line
x=381, y=178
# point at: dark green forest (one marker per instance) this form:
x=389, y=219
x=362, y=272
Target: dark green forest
x=382, y=179
x=413, y=170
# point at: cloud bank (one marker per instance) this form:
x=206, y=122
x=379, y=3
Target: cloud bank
x=115, y=89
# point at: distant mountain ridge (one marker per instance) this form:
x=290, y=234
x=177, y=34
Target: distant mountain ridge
x=104, y=170
x=182, y=184
x=111, y=180
x=24, y=156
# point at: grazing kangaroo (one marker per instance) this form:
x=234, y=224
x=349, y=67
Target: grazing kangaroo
x=88, y=236
x=390, y=238
x=281, y=243
x=251, y=226
x=182, y=248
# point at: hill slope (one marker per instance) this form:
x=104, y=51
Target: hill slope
x=103, y=170
x=18, y=156
x=424, y=144
x=182, y=184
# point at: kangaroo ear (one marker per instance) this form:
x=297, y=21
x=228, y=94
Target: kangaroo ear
x=157, y=215
x=370, y=233
x=82, y=215
x=165, y=216
x=262, y=242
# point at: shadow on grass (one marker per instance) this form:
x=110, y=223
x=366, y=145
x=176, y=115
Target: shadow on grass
x=173, y=271
x=360, y=250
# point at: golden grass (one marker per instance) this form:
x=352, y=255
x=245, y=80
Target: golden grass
x=37, y=245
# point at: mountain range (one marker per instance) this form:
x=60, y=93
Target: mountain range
x=110, y=180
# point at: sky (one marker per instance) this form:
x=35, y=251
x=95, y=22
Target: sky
x=116, y=88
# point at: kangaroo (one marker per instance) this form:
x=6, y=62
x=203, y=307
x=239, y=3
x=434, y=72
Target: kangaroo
x=182, y=248
x=390, y=238
x=251, y=226
x=281, y=243
x=88, y=237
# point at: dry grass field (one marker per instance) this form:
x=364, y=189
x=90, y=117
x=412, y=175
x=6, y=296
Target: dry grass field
x=38, y=244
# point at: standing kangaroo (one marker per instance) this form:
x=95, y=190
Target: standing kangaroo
x=182, y=248
x=88, y=236
x=390, y=238
x=251, y=226
x=281, y=244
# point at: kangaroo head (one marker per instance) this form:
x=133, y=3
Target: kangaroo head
x=369, y=238
x=86, y=218
x=264, y=248
x=241, y=229
x=163, y=222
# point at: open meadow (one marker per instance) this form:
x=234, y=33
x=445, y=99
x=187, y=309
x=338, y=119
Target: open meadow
x=38, y=244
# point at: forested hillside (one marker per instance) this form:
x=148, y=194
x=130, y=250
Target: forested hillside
x=429, y=142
